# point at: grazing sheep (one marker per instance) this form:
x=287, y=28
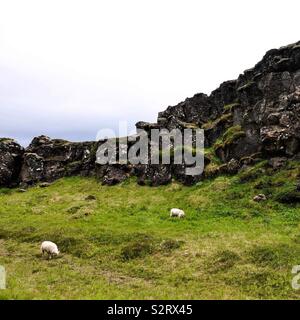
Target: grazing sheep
x=177, y=213
x=50, y=248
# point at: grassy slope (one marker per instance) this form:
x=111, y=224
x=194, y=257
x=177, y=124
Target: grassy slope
x=123, y=245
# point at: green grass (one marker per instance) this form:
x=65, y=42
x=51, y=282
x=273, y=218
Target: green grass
x=225, y=118
x=246, y=86
x=231, y=106
x=124, y=245
x=6, y=140
x=231, y=134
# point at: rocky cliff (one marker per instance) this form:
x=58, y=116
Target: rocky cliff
x=11, y=159
x=256, y=116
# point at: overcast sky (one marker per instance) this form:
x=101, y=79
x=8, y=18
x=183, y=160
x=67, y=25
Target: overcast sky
x=70, y=68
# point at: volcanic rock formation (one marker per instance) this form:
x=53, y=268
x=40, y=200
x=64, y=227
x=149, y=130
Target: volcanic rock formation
x=256, y=116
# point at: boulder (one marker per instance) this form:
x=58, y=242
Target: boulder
x=277, y=162
x=10, y=162
x=115, y=174
x=233, y=166
x=49, y=159
x=260, y=197
x=44, y=185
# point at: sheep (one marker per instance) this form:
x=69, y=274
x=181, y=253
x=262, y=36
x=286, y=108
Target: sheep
x=50, y=248
x=177, y=213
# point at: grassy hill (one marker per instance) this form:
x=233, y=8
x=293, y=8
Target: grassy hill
x=120, y=243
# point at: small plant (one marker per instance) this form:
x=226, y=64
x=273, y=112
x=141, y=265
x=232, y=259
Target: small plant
x=253, y=173
x=230, y=107
x=74, y=209
x=263, y=256
x=223, y=260
x=246, y=86
x=231, y=135
x=225, y=118
x=6, y=140
x=170, y=245
x=137, y=249
x=5, y=191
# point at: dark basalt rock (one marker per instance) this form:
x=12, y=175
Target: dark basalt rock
x=179, y=173
x=233, y=166
x=277, y=162
x=10, y=162
x=44, y=185
x=47, y=160
x=259, y=113
x=115, y=174
x=153, y=174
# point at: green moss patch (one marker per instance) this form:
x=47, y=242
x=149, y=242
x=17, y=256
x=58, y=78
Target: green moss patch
x=231, y=135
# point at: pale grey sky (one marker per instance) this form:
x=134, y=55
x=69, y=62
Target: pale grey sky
x=70, y=68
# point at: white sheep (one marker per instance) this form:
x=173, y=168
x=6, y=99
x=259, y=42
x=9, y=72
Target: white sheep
x=177, y=213
x=50, y=248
